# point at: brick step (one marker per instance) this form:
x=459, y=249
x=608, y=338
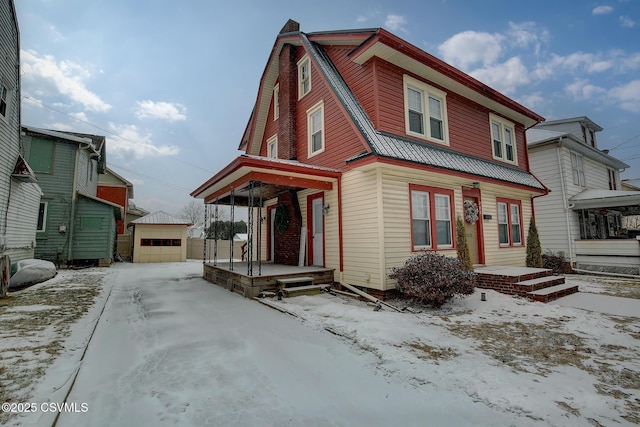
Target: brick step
x=552, y=293
x=303, y=290
x=539, y=283
x=517, y=276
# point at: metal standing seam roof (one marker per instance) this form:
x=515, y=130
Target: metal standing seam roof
x=394, y=147
x=160, y=218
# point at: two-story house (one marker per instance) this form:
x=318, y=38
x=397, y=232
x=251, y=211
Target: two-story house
x=19, y=191
x=116, y=189
x=74, y=224
x=362, y=150
x=582, y=216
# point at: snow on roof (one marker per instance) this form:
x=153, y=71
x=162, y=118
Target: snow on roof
x=160, y=217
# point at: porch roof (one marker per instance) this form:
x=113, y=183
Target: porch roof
x=270, y=175
x=600, y=199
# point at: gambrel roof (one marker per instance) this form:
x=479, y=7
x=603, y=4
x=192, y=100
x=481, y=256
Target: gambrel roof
x=398, y=148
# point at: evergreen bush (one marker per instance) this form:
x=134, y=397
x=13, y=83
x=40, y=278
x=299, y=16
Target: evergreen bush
x=534, y=250
x=462, y=245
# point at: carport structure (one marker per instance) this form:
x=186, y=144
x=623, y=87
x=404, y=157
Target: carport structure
x=276, y=236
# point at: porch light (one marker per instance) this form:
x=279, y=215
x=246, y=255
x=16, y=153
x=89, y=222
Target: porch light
x=325, y=209
x=476, y=185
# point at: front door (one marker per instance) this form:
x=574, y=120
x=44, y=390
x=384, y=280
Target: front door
x=317, y=232
x=471, y=225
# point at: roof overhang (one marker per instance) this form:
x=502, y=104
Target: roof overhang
x=117, y=209
x=251, y=177
x=606, y=199
x=392, y=49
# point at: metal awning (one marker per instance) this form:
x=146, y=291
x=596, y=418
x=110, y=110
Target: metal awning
x=627, y=202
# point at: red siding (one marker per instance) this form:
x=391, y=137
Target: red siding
x=117, y=195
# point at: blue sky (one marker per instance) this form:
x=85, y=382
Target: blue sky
x=172, y=84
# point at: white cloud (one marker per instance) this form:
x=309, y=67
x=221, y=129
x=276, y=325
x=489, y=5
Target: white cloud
x=504, y=77
x=396, y=23
x=581, y=89
x=527, y=34
x=48, y=77
x=628, y=96
x=627, y=22
x=469, y=48
x=80, y=116
x=602, y=10
x=365, y=17
x=161, y=110
x=533, y=101
x=131, y=140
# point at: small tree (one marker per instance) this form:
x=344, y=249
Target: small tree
x=433, y=279
x=534, y=250
x=193, y=212
x=462, y=245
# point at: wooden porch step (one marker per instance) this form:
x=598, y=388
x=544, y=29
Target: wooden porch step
x=553, y=292
x=303, y=290
x=291, y=282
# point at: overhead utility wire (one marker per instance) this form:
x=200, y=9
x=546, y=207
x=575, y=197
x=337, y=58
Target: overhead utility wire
x=110, y=132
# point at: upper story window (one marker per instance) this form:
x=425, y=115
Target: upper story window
x=276, y=102
x=431, y=225
x=272, y=147
x=577, y=169
x=613, y=179
x=304, y=77
x=4, y=99
x=315, y=129
x=509, y=222
x=503, y=139
x=425, y=111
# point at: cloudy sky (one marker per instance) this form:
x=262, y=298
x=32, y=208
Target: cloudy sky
x=172, y=84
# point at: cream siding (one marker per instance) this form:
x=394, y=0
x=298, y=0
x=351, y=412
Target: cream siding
x=376, y=240
x=361, y=238
x=159, y=253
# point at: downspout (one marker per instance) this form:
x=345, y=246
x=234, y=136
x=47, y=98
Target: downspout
x=72, y=223
x=564, y=201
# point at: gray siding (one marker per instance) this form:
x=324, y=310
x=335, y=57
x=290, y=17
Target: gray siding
x=18, y=201
x=95, y=230
x=57, y=189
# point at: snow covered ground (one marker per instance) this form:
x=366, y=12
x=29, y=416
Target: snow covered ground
x=172, y=349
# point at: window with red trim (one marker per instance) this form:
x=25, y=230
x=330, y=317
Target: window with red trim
x=431, y=214
x=509, y=222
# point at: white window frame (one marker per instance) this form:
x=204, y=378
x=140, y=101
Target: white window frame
x=272, y=147
x=612, y=175
x=516, y=237
x=503, y=221
x=426, y=92
x=5, y=99
x=421, y=216
x=44, y=217
x=316, y=109
x=276, y=102
x=506, y=131
x=443, y=219
x=577, y=169
x=304, y=77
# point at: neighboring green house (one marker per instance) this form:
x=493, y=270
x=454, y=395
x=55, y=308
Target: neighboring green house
x=74, y=225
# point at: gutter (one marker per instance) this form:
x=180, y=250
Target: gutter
x=74, y=197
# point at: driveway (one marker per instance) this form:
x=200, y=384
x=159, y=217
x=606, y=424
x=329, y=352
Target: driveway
x=173, y=349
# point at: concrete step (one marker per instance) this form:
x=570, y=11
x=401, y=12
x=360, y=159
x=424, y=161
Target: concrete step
x=303, y=290
x=552, y=292
x=290, y=282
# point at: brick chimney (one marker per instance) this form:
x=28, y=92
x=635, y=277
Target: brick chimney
x=288, y=80
x=290, y=27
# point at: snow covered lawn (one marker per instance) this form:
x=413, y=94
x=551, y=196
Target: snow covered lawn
x=173, y=349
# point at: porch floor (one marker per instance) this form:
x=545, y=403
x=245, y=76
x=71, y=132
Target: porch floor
x=250, y=284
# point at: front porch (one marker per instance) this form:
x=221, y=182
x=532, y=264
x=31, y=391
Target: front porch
x=249, y=280
x=537, y=284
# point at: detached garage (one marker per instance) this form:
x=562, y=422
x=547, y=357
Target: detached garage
x=159, y=237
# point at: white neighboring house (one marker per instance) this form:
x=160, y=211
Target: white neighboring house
x=581, y=217
x=19, y=191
